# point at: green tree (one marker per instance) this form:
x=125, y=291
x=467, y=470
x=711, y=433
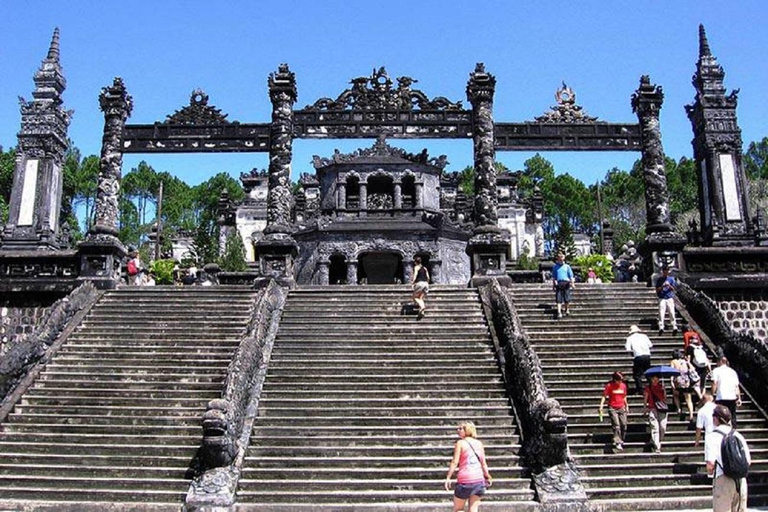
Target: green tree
x=7, y=166
x=563, y=239
x=682, y=184
x=623, y=195
x=467, y=181
x=233, y=259
x=205, y=204
x=140, y=186
x=755, y=160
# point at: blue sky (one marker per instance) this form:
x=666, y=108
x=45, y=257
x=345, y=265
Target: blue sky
x=165, y=49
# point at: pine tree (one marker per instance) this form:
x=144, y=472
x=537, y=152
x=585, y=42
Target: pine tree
x=233, y=259
x=563, y=242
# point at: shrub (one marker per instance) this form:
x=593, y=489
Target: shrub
x=163, y=270
x=600, y=263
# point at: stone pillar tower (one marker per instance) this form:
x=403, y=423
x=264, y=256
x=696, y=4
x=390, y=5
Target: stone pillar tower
x=662, y=246
x=277, y=249
x=33, y=223
x=489, y=244
x=101, y=253
x=717, y=148
x=117, y=106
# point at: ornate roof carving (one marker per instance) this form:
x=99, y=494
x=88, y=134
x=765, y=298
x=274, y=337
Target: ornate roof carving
x=380, y=148
x=566, y=110
x=197, y=112
x=378, y=92
x=253, y=174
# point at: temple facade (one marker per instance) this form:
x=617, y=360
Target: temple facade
x=362, y=218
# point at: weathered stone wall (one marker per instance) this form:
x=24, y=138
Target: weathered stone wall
x=745, y=310
x=20, y=315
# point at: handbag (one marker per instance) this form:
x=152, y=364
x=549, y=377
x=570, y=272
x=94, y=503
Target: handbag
x=661, y=406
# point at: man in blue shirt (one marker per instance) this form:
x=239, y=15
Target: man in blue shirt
x=563, y=282
x=665, y=291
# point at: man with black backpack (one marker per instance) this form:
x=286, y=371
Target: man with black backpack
x=727, y=456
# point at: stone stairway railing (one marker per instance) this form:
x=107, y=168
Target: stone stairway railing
x=228, y=421
x=21, y=364
x=747, y=355
x=544, y=424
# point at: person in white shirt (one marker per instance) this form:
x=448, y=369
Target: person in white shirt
x=704, y=417
x=727, y=494
x=725, y=387
x=640, y=346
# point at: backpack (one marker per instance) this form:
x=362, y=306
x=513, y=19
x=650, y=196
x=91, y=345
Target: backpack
x=682, y=381
x=735, y=464
x=700, y=358
x=131, y=267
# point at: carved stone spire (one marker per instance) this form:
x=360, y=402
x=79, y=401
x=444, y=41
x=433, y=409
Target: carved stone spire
x=53, y=51
x=37, y=184
x=717, y=148
x=703, y=43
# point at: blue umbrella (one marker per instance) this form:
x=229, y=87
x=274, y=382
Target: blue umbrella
x=662, y=371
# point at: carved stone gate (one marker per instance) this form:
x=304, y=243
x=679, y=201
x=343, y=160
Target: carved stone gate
x=374, y=106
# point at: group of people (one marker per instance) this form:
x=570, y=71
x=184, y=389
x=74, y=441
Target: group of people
x=715, y=418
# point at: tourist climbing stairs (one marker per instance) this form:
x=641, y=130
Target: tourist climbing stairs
x=360, y=404
x=578, y=355
x=115, y=416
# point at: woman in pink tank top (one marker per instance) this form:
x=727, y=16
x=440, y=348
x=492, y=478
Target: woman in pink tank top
x=469, y=458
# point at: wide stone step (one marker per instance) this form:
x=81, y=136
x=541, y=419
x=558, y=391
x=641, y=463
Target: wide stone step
x=374, y=484
x=309, y=339
x=114, y=367
x=66, y=482
x=107, y=346
x=123, y=429
x=98, y=418
x=139, y=376
x=114, y=411
x=78, y=470
x=108, y=496
x=161, y=393
x=444, y=441
x=372, y=451
x=444, y=419
x=367, y=402
x=368, y=496
x=372, y=396
x=134, y=357
x=99, y=449
x=267, y=475
x=256, y=461
x=394, y=412
x=387, y=379
x=401, y=432
x=122, y=329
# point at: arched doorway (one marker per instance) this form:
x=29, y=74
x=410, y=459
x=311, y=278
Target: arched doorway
x=380, y=268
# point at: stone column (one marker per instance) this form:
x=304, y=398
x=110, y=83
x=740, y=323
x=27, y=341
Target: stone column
x=480, y=90
x=436, y=272
x=101, y=253
x=352, y=272
x=398, y=199
x=277, y=249
x=662, y=246
x=363, y=198
x=341, y=195
x=418, y=192
x=646, y=103
x=489, y=245
x=117, y=106
x=323, y=272
x=408, y=270
x=282, y=94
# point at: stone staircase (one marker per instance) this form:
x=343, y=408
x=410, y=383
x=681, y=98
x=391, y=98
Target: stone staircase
x=360, y=404
x=578, y=355
x=115, y=416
